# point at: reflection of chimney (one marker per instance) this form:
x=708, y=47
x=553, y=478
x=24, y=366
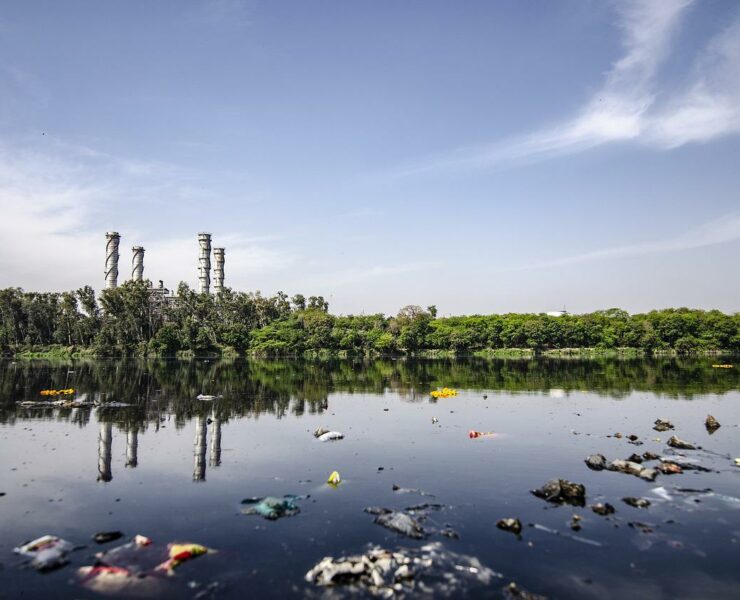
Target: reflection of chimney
x=105, y=438
x=137, y=263
x=132, y=448
x=215, y=458
x=111, y=259
x=199, y=450
x=204, y=262
x=218, y=271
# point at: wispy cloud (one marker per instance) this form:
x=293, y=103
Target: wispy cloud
x=630, y=106
x=58, y=202
x=712, y=233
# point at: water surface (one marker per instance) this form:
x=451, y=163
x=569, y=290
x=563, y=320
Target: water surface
x=175, y=469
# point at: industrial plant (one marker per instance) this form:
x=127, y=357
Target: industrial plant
x=113, y=240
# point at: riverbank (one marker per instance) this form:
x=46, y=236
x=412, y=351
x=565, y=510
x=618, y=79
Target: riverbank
x=67, y=352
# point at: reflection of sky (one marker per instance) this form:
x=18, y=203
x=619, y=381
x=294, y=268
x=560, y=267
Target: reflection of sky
x=55, y=487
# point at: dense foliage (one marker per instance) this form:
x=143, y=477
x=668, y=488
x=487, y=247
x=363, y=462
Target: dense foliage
x=133, y=320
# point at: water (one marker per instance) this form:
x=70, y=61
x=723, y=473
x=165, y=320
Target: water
x=160, y=468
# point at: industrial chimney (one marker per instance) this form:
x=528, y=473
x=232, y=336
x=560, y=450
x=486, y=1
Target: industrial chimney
x=218, y=271
x=137, y=263
x=111, y=259
x=204, y=262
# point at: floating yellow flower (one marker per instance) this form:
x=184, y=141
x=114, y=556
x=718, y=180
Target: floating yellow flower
x=444, y=393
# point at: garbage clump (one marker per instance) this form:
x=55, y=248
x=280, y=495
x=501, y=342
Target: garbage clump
x=329, y=436
x=334, y=479
x=575, y=522
x=272, y=508
x=119, y=581
x=603, y=508
x=398, y=521
x=430, y=570
x=402, y=490
x=444, y=393
x=636, y=502
x=47, y=552
x=596, y=462
x=104, y=537
x=687, y=464
x=650, y=456
x=512, y=525
x=562, y=491
x=472, y=434
x=514, y=592
x=662, y=425
x=180, y=553
x=669, y=468
x=711, y=424
x=633, y=468
x=676, y=442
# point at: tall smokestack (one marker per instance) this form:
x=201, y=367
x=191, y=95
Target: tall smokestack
x=218, y=271
x=111, y=259
x=204, y=262
x=137, y=263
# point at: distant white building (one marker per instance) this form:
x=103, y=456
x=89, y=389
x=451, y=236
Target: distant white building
x=557, y=313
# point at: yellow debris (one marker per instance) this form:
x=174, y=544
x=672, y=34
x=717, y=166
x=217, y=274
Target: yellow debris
x=444, y=393
x=334, y=478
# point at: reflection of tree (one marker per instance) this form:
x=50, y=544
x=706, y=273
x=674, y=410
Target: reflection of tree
x=252, y=388
x=105, y=441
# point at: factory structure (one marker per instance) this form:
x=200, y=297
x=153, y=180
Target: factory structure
x=113, y=240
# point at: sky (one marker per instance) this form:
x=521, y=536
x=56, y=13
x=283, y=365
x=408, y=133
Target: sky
x=484, y=157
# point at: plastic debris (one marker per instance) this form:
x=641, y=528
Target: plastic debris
x=686, y=464
x=512, y=525
x=119, y=581
x=331, y=436
x=596, y=462
x=435, y=420
x=430, y=570
x=47, y=552
x=57, y=392
x=575, y=522
x=650, y=456
x=662, y=425
x=603, y=509
x=737, y=462
x=207, y=397
x=562, y=491
x=398, y=521
x=403, y=490
x=681, y=444
x=669, y=468
x=334, y=478
x=711, y=424
x=476, y=434
x=514, y=592
x=636, y=502
x=444, y=393
x=180, y=553
x=319, y=431
x=272, y=508
x=104, y=537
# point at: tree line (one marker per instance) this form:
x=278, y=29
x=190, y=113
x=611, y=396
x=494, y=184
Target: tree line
x=135, y=320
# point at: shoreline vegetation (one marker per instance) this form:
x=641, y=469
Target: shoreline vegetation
x=132, y=321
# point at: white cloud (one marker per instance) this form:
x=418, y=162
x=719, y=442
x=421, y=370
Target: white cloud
x=719, y=231
x=56, y=204
x=630, y=106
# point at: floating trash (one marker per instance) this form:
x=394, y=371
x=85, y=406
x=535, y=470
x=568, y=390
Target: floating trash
x=444, y=393
x=330, y=436
x=562, y=491
x=47, y=552
x=662, y=425
x=711, y=424
x=66, y=392
x=104, y=537
x=676, y=442
x=180, y=553
x=334, y=478
x=512, y=525
x=430, y=570
x=207, y=397
x=272, y=508
x=472, y=434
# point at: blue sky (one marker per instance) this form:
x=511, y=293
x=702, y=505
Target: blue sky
x=483, y=157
